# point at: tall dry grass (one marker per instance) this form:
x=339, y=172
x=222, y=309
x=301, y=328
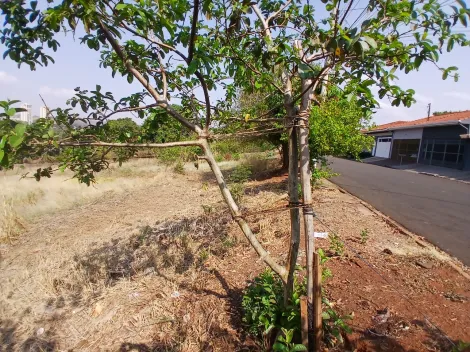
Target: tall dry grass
x=22, y=199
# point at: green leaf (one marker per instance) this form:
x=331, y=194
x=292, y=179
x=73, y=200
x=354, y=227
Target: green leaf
x=3, y=141
x=299, y=348
x=463, y=19
x=192, y=67
x=2, y=154
x=11, y=112
x=15, y=141
x=130, y=78
x=418, y=61
x=258, y=85
x=371, y=42
x=450, y=44
x=121, y=6
x=445, y=74
x=20, y=129
x=279, y=347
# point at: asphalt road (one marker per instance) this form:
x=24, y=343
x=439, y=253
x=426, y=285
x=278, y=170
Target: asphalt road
x=435, y=208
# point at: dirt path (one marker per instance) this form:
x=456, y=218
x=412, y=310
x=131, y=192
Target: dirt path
x=152, y=269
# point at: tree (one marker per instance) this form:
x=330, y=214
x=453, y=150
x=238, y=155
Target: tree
x=336, y=128
x=185, y=50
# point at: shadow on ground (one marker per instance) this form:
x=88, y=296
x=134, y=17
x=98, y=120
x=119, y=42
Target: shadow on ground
x=389, y=337
x=166, y=248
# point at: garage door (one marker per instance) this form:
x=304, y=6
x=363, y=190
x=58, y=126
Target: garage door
x=405, y=150
x=383, y=147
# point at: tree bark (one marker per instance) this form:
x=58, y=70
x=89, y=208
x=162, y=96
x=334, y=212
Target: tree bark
x=285, y=155
x=293, y=186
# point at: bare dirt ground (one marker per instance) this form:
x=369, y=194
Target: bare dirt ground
x=151, y=261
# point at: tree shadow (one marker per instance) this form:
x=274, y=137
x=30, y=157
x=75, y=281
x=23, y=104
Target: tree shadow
x=166, y=247
x=241, y=340
x=384, y=337
x=9, y=341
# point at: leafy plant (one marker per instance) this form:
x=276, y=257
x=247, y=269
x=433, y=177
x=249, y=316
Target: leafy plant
x=204, y=255
x=229, y=242
x=326, y=272
x=336, y=245
x=334, y=325
x=284, y=342
x=240, y=174
x=238, y=191
x=264, y=311
x=323, y=172
x=364, y=236
x=461, y=346
x=179, y=168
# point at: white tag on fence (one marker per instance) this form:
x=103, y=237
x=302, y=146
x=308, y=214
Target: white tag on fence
x=320, y=234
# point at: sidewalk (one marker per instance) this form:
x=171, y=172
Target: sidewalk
x=437, y=171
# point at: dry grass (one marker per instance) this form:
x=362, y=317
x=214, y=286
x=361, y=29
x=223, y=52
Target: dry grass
x=24, y=198
x=11, y=225
x=151, y=260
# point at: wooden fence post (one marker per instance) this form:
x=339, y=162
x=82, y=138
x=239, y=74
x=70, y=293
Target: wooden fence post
x=317, y=304
x=304, y=320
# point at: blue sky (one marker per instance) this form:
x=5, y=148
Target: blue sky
x=76, y=65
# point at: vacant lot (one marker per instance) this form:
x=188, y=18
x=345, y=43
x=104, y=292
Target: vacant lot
x=151, y=260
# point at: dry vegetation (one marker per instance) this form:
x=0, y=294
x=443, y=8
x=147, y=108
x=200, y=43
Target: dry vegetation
x=150, y=260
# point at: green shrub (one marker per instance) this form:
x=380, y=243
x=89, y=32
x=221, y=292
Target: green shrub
x=323, y=172
x=336, y=245
x=264, y=312
x=240, y=174
x=334, y=324
x=238, y=191
x=179, y=168
x=364, y=236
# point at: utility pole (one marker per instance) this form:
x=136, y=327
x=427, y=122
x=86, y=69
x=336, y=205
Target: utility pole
x=429, y=110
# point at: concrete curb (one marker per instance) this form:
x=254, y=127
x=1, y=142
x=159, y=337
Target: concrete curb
x=422, y=173
x=421, y=241
x=437, y=175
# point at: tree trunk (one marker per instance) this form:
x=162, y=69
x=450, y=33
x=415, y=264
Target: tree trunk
x=285, y=155
x=293, y=186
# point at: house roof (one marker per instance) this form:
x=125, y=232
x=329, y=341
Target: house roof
x=434, y=120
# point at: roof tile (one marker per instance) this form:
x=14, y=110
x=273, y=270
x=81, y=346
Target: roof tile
x=454, y=116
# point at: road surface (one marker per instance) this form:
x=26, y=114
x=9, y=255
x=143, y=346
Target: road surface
x=435, y=208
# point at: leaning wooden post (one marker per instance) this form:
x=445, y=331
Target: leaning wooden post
x=304, y=320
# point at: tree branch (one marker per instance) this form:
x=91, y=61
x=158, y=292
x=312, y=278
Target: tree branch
x=260, y=16
x=193, y=31
x=160, y=101
x=132, y=145
x=275, y=14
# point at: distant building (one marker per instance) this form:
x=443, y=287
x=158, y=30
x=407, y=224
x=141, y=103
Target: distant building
x=440, y=140
x=43, y=112
x=25, y=116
